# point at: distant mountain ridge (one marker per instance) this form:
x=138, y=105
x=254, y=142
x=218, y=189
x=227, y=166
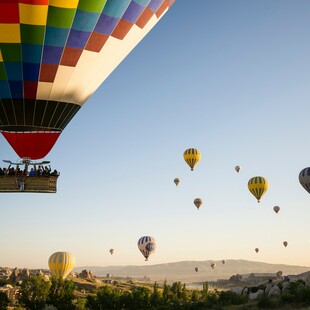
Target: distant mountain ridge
x=185, y=270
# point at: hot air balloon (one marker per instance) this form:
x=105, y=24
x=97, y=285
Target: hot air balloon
x=223, y=261
x=111, y=251
x=304, y=179
x=176, y=181
x=196, y=269
x=285, y=243
x=61, y=264
x=55, y=54
x=147, y=246
x=256, y=250
x=198, y=202
x=276, y=209
x=279, y=274
x=258, y=186
x=237, y=168
x=213, y=265
x=192, y=157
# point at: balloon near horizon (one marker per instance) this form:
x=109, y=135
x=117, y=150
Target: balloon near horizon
x=147, y=246
x=53, y=57
x=61, y=264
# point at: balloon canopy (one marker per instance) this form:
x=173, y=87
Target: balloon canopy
x=147, y=246
x=258, y=186
x=192, y=157
x=304, y=179
x=61, y=264
x=54, y=54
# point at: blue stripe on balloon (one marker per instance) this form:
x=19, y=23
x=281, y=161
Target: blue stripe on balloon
x=31, y=71
x=16, y=89
x=5, y=90
x=116, y=8
x=106, y=24
x=13, y=71
x=85, y=21
x=52, y=54
x=133, y=12
x=56, y=36
x=31, y=53
x=143, y=3
x=77, y=38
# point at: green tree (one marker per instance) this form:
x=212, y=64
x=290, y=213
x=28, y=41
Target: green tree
x=4, y=301
x=156, y=298
x=61, y=294
x=34, y=292
x=195, y=296
x=185, y=294
x=141, y=298
x=205, y=291
x=106, y=298
x=166, y=291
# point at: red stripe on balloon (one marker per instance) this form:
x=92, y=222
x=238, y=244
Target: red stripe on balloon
x=35, y=145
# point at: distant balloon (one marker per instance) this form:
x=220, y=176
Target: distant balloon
x=258, y=186
x=147, y=246
x=213, y=265
x=61, y=264
x=279, y=274
x=176, y=181
x=237, y=168
x=196, y=269
x=192, y=157
x=198, y=202
x=276, y=209
x=285, y=243
x=223, y=261
x=111, y=251
x=304, y=179
x=257, y=250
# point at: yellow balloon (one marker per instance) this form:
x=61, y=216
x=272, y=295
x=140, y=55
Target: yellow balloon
x=192, y=157
x=61, y=264
x=258, y=186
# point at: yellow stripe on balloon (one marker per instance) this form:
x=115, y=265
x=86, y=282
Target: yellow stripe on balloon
x=1, y=58
x=68, y=4
x=61, y=264
x=33, y=14
x=9, y=33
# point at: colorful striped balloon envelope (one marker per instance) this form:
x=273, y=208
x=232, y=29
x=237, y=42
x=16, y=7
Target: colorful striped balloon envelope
x=54, y=54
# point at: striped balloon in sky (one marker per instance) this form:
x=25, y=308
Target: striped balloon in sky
x=192, y=157
x=147, y=246
x=61, y=264
x=304, y=179
x=54, y=54
x=258, y=186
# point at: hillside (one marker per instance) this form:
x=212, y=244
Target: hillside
x=185, y=271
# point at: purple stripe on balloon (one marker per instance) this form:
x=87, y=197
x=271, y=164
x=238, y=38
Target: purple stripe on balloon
x=106, y=24
x=78, y=38
x=52, y=54
x=155, y=4
x=133, y=12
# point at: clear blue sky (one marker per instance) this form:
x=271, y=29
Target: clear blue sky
x=230, y=78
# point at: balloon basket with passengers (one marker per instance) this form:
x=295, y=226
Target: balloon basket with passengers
x=28, y=176
x=53, y=56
